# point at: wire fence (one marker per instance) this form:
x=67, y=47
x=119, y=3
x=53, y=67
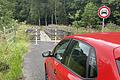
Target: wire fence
x=9, y=34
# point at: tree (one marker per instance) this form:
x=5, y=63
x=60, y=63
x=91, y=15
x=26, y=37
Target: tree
x=115, y=11
x=59, y=11
x=21, y=11
x=72, y=6
x=89, y=17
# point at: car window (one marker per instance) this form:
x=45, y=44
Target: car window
x=60, y=49
x=80, y=61
x=118, y=65
x=78, y=58
x=92, y=65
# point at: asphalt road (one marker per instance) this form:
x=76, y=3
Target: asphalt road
x=33, y=68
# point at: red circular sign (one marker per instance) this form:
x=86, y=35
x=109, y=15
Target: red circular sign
x=104, y=12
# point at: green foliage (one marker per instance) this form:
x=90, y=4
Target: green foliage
x=111, y=1
x=75, y=8
x=89, y=17
x=21, y=11
x=5, y=13
x=115, y=12
x=64, y=11
x=111, y=28
x=76, y=16
x=57, y=11
x=78, y=24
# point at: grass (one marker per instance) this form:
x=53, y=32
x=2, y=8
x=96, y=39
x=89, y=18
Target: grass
x=108, y=28
x=12, y=55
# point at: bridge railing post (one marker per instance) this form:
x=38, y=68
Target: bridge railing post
x=55, y=36
x=36, y=37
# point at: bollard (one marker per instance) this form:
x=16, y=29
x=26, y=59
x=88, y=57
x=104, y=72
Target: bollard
x=55, y=36
x=36, y=41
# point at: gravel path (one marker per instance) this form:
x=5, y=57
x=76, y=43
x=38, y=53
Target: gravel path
x=33, y=62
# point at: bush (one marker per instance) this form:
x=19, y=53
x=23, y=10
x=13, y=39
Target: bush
x=111, y=28
x=108, y=28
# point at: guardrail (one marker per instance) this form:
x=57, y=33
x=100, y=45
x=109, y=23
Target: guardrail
x=56, y=33
x=33, y=33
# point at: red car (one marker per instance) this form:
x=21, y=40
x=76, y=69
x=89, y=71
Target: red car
x=85, y=57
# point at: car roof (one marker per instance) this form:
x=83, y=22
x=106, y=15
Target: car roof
x=111, y=39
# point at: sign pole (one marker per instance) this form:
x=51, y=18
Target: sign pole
x=103, y=24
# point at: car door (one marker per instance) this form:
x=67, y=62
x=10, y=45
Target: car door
x=49, y=68
x=60, y=72
x=81, y=63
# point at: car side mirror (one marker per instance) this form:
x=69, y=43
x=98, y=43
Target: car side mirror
x=47, y=54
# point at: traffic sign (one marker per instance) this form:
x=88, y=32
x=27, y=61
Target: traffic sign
x=104, y=12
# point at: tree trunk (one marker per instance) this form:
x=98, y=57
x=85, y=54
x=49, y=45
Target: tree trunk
x=52, y=19
x=39, y=22
x=65, y=12
x=55, y=14
x=45, y=20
